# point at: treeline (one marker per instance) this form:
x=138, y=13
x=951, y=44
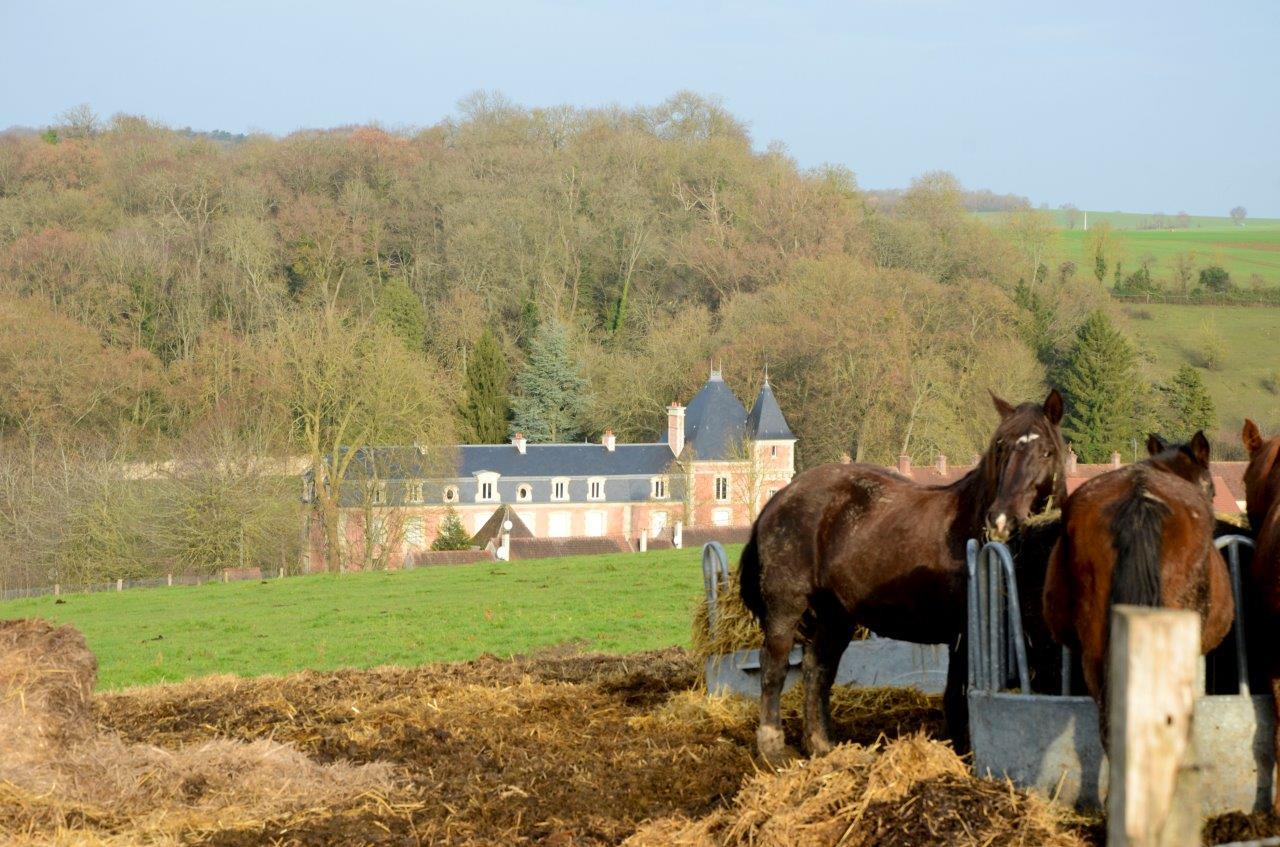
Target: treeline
x=569, y=269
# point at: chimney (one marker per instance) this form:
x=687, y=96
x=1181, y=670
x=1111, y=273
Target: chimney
x=675, y=428
x=942, y=464
x=1073, y=462
x=519, y=442
x=609, y=440
x=1115, y=458
x=904, y=464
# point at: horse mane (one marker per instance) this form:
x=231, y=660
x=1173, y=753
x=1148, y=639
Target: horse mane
x=1137, y=531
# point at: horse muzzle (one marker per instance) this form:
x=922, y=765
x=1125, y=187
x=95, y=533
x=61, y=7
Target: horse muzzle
x=999, y=526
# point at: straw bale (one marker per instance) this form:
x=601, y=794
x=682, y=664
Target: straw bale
x=46, y=682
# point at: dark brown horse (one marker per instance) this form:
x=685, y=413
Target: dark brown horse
x=1141, y=535
x=849, y=545
x=1262, y=617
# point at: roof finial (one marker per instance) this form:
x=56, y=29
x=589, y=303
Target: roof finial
x=766, y=371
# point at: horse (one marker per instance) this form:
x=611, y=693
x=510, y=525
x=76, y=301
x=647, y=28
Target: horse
x=1141, y=535
x=854, y=544
x=1262, y=503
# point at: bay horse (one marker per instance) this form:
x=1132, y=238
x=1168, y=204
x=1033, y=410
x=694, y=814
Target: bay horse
x=1141, y=535
x=1262, y=502
x=853, y=544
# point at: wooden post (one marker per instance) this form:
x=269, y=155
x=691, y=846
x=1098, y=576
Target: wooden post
x=57, y=589
x=226, y=576
x=644, y=540
x=281, y=572
x=1154, y=798
x=677, y=535
x=169, y=580
x=119, y=585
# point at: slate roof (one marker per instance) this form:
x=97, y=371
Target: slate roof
x=766, y=421
x=715, y=422
x=538, y=461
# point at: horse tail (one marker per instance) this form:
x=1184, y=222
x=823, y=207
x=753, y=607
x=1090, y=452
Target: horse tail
x=1137, y=528
x=749, y=572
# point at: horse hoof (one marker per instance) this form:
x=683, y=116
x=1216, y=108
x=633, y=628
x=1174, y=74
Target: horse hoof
x=773, y=746
x=819, y=745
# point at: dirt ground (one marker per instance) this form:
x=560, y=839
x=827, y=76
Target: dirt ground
x=555, y=749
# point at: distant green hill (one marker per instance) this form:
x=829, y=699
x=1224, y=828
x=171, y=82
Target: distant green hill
x=1253, y=248
x=1244, y=384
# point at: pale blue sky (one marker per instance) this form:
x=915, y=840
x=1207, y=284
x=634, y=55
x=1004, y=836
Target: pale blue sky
x=1109, y=105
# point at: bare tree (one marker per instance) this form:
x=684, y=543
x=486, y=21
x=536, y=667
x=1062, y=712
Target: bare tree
x=1238, y=215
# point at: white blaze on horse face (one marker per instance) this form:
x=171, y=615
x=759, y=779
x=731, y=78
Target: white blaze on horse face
x=1002, y=520
x=1028, y=438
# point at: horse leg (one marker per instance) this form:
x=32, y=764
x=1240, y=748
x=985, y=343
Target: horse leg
x=955, y=700
x=821, y=660
x=780, y=637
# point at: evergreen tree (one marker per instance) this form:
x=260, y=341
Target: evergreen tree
x=400, y=308
x=1188, y=405
x=485, y=404
x=551, y=401
x=452, y=534
x=1103, y=392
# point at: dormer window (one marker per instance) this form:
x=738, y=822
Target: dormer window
x=414, y=494
x=524, y=493
x=451, y=494
x=487, y=487
x=560, y=488
x=658, y=488
x=595, y=488
x=378, y=493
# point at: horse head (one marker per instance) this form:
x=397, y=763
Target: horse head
x=1189, y=461
x=1024, y=466
x=1262, y=476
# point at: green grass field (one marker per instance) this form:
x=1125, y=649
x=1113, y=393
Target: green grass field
x=615, y=604
x=1173, y=334
x=1253, y=248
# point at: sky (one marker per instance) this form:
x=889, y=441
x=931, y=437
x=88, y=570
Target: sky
x=1132, y=106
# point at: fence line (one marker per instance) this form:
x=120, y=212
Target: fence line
x=147, y=582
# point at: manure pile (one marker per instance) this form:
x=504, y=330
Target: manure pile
x=555, y=749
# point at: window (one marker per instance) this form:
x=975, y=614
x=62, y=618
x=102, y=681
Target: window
x=413, y=534
x=721, y=517
x=657, y=523
x=560, y=489
x=595, y=523
x=378, y=492
x=558, y=524
x=658, y=488
x=486, y=487
x=480, y=520
x=722, y=488
x=773, y=451
x=415, y=492
x=595, y=488
x=530, y=520
x=451, y=494
x=378, y=530
x=524, y=493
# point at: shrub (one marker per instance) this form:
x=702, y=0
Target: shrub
x=1215, y=278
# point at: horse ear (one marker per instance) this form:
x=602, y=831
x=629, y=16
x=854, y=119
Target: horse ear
x=1002, y=406
x=1053, y=407
x=1156, y=444
x=1251, y=437
x=1200, y=448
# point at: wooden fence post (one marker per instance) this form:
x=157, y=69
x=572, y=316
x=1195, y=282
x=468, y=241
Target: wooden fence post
x=281, y=572
x=1154, y=798
x=226, y=576
x=644, y=540
x=119, y=585
x=57, y=589
x=169, y=579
